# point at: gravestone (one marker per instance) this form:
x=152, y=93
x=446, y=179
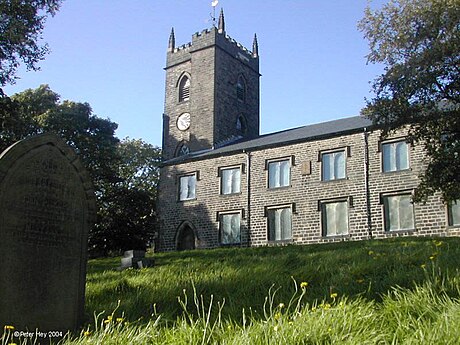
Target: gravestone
x=47, y=206
x=135, y=259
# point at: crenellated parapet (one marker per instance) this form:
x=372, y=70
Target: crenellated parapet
x=208, y=38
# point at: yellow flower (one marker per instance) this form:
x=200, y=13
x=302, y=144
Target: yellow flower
x=334, y=295
x=277, y=316
x=370, y=252
x=438, y=244
x=303, y=285
x=9, y=328
x=432, y=257
x=87, y=333
x=275, y=328
x=119, y=319
x=422, y=265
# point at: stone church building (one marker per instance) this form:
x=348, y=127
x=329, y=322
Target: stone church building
x=224, y=184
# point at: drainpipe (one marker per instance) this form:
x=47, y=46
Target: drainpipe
x=248, y=186
x=366, y=182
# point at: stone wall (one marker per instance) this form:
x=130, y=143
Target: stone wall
x=304, y=194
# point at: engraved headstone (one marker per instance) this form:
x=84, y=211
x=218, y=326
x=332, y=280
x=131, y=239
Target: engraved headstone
x=47, y=206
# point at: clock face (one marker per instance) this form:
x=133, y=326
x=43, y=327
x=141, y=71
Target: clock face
x=183, y=121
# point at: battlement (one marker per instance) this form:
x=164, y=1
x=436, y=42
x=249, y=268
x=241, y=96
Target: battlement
x=208, y=38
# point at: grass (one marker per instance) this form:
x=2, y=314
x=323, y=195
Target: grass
x=390, y=291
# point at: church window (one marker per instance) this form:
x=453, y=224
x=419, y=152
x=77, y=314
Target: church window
x=230, y=228
x=279, y=173
x=182, y=150
x=241, y=89
x=395, y=156
x=184, y=89
x=398, y=211
x=453, y=212
x=279, y=223
x=241, y=125
x=334, y=216
x=230, y=180
x=333, y=165
x=187, y=187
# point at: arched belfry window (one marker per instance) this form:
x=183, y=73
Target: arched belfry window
x=241, y=89
x=184, y=89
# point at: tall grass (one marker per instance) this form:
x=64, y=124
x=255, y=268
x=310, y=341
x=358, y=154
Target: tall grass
x=373, y=292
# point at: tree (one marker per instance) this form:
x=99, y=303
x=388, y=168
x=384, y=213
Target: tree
x=124, y=174
x=128, y=217
x=21, y=25
x=418, y=41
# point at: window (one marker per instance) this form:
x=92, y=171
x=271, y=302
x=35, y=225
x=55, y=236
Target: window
x=230, y=228
x=453, y=212
x=279, y=224
x=241, y=125
x=184, y=89
x=187, y=187
x=395, y=156
x=399, y=212
x=279, y=173
x=241, y=89
x=230, y=180
x=334, y=218
x=333, y=165
x=182, y=150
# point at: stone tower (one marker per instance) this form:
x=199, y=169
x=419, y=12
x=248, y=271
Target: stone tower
x=212, y=92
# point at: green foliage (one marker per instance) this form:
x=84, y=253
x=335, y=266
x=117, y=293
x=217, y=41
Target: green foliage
x=418, y=41
x=124, y=174
x=22, y=23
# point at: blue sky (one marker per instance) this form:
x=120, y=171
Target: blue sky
x=111, y=54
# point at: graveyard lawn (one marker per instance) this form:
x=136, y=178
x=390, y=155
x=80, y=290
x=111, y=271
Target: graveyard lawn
x=403, y=290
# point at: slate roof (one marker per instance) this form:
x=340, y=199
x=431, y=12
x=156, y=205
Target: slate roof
x=282, y=138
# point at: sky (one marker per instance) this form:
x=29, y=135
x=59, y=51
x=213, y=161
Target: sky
x=111, y=54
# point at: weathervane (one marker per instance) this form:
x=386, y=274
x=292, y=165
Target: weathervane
x=213, y=14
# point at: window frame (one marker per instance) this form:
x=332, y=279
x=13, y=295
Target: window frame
x=382, y=144
x=183, y=94
x=323, y=215
x=267, y=210
x=241, y=90
x=179, y=184
x=346, y=150
x=220, y=174
x=219, y=219
x=386, y=214
x=450, y=221
x=290, y=159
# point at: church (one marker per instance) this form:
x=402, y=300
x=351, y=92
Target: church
x=222, y=183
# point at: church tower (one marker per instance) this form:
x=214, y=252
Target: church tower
x=212, y=92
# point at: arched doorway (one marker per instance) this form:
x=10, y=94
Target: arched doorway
x=185, y=237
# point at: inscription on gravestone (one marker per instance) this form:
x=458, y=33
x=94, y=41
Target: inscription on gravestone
x=46, y=209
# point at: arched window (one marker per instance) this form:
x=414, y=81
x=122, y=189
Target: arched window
x=241, y=89
x=182, y=150
x=184, y=89
x=241, y=125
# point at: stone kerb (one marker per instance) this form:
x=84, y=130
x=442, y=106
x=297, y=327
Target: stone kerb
x=47, y=207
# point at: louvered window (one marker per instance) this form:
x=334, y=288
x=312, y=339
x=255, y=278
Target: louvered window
x=184, y=89
x=241, y=89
